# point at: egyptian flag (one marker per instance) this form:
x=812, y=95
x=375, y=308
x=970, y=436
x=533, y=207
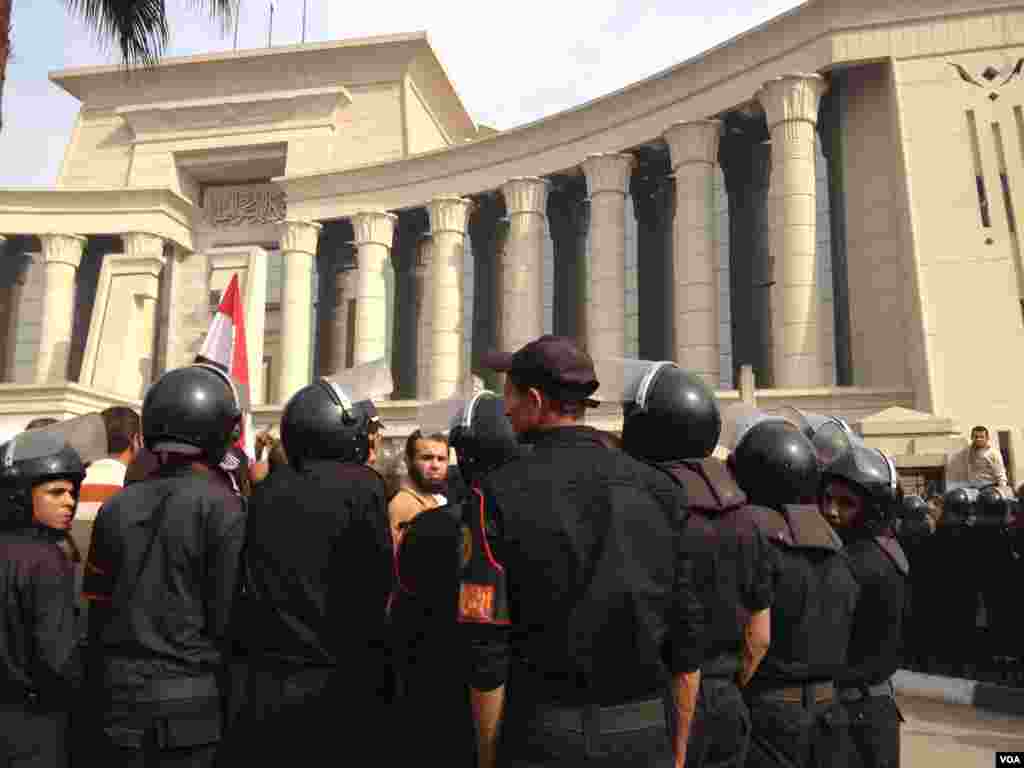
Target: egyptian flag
x=224, y=348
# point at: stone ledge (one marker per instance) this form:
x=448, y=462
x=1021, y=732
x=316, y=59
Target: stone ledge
x=952, y=690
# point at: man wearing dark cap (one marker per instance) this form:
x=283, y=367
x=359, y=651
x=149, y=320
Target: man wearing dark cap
x=590, y=609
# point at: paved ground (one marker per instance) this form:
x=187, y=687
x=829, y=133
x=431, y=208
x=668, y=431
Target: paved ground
x=938, y=735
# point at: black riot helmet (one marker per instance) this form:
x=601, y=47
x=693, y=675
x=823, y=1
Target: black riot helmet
x=191, y=409
x=912, y=519
x=483, y=437
x=868, y=471
x=773, y=461
x=670, y=414
x=996, y=505
x=30, y=458
x=321, y=423
x=959, y=505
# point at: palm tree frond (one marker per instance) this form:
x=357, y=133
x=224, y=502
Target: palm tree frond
x=137, y=27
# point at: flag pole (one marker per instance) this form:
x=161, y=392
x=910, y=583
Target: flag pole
x=304, y=20
x=238, y=16
x=270, y=30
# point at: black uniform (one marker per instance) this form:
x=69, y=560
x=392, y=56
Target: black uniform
x=161, y=574
x=796, y=715
x=742, y=583
x=318, y=572
x=602, y=604
x=38, y=664
x=881, y=569
x=434, y=702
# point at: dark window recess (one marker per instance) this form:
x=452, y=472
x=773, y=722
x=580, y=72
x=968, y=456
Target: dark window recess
x=214, y=300
x=1011, y=220
x=1005, y=450
x=983, y=202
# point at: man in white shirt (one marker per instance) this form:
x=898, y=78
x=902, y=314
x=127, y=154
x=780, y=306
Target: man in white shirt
x=979, y=464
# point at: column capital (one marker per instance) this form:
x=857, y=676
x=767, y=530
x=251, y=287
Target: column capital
x=608, y=172
x=374, y=227
x=793, y=97
x=145, y=247
x=63, y=249
x=693, y=141
x=526, y=194
x=299, y=236
x=449, y=213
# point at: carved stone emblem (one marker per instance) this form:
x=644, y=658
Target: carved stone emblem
x=242, y=205
x=990, y=73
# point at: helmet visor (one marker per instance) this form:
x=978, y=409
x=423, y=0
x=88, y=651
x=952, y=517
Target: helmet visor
x=86, y=434
x=368, y=381
x=810, y=423
x=626, y=380
x=441, y=416
x=738, y=419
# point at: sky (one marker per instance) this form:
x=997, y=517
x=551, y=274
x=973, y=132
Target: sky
x=511, y=63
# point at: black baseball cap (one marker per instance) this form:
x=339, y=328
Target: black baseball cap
x=552, y=364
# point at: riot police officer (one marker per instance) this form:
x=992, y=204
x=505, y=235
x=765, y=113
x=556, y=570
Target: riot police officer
x=585, y=598
x=161, y=576
x=860, y=493
x=797, y=718
x=672, y=420
x=439, y=548
x=40, y=476
x=318, y=571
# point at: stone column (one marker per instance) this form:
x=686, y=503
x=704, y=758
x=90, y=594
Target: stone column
x=522, y=265
x=448, y=217
x=694, y=149
x=607, y=179
x=375, y=233
x=146, y=251
x=424, y=318
x=62, y=255
x=298, y=250
x=745, y=157
x=791, y=108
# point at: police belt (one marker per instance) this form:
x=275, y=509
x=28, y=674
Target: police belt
x=857, y=693
x=168, y=689
x=807, y=695
x=593, y=721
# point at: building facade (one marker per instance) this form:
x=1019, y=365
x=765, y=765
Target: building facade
x=818, y=213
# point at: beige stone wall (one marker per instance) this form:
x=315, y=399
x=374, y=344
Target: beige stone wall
x=422, y=129
x=875, y=243
x=100, y=152
x=369, y=129
x=969, y=272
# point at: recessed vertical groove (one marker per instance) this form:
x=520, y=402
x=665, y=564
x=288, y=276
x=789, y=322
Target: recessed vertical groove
x=979, y=175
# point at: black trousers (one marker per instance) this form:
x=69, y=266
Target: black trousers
x=720, y=734
x=875, y=731
x=530, y=739
x=169, y=734
x=31, y=740
x=789, y=735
